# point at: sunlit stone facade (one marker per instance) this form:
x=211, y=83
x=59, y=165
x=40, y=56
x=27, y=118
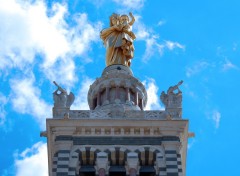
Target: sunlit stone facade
x=116, y=137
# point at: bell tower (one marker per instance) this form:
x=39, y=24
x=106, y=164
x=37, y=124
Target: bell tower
x=117, y=137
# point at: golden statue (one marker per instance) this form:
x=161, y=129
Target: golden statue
x=118, y=40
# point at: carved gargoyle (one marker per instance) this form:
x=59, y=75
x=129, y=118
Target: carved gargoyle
x=172, y=99
x=61, y=98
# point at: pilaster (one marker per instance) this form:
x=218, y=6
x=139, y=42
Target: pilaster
x=61, y=158
x=172, y=158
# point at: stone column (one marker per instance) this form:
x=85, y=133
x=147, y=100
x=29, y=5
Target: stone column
x=132, y=164
x=101, y=172
x=117, y=93
x=136, y=98
x=141, y=103
x=132, y=172
x=98, y=99
x=127, y=94
x=160, y=165
x=107, y=95
x=102, y=164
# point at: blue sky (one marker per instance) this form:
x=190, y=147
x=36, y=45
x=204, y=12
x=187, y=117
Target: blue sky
x=195, y=41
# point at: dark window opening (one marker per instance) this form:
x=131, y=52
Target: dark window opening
x=117, y=173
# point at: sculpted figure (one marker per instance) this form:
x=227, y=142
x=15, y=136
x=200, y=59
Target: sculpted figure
x=118, y=40
x=172, y=99
x=62, y=99
x=127, y=26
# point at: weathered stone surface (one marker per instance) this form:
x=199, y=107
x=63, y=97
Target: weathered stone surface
x=117, y=86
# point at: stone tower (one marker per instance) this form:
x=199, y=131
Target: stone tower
x=117, y=137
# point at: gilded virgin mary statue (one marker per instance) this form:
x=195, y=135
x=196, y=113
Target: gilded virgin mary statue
x=118, y=40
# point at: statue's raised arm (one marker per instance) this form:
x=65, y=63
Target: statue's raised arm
x=132, y=19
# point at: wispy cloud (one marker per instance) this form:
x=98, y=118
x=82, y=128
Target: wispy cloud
x=172, y=45
x=151, y=46
x=216, y=117
x=196, y=68
x=235, y=47
x=152, y=40
x=228, y=65
x=161, y=22
x=189, y=91
x=130, y=4
x=3, y=102
x=32, y=161
x=153, y=97
x=63, y=72
x=26, y=99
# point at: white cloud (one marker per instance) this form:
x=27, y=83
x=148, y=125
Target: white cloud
x=63, y=72
x=146, y=35
x=131, y=4
x=161, y=22
x=26, y=99
x=216, y=117
x=81, y=101
x=3, y=102
x=153, y=97
x=196, y=68
x=228, y=65
x=153, y=42
x=30, y=28
x=32, y=161
x=152, y=45
x=26, y=30
x=141, y=32
x=172, y=45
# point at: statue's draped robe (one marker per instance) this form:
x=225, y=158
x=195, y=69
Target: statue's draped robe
x=113, y=41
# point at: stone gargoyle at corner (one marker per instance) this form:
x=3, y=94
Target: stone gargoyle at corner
x=61, y=98
x=173, y=101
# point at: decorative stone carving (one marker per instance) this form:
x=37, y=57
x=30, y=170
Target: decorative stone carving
x=79, y=114
x=117, y=86
x=173, y=101
x=62, y=99
x=116, y=112
x=134, y=114
x=132, y=164
x=99, y=114
x=159, y=163
x=154, y=114
x=102, y=164
x=62, y=102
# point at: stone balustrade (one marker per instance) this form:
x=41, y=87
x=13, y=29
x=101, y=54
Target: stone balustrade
x=95, y=114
